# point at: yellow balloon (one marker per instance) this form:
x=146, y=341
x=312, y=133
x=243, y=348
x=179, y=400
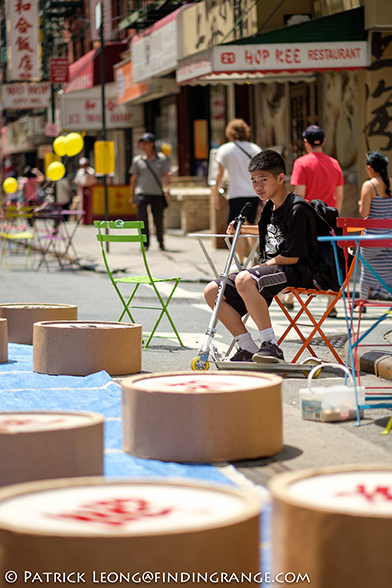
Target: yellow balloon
x=10, y=185
x=73, y=144
x=59, y=146
x=55, y=171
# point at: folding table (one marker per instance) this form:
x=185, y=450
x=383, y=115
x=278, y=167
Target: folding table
x=354, y=339
x=57, y=238
x=201, y=236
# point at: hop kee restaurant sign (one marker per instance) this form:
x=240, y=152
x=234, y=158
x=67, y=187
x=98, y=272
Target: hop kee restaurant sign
x=23, y=46
x=275, y=58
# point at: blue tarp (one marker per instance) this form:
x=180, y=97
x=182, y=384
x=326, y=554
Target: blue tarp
x=22, y=389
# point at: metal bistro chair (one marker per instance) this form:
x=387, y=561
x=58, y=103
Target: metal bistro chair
x=131, y=232
x=356, y=225
x=16, y=232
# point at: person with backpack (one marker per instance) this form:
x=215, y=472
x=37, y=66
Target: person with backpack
x=288, y=257
x=316, y=176
x=149, y=186
x=234, y=156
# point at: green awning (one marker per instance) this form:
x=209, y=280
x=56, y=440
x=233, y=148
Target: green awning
x=343, y=26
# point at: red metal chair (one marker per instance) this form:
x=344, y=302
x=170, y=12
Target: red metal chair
x=304, y=297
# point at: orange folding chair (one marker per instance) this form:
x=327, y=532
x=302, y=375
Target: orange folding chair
x=304, y=297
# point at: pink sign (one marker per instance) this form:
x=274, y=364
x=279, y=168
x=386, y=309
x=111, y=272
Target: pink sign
x=23, y=44
x=59, y=70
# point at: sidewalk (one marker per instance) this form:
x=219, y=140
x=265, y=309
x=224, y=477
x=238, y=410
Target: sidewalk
x=184, y=257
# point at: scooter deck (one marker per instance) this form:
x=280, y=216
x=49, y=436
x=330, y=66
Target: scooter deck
x=252, y=366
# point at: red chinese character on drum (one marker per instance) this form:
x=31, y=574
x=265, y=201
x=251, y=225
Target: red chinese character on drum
x=115, y=511
x=366, y=492
x=370, y=494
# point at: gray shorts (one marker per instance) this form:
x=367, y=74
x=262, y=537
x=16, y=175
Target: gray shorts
x=271, y=279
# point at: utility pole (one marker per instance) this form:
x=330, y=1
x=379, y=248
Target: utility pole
x=99, y=23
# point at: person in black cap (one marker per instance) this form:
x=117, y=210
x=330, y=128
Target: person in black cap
x=149, y=186
x=316, y=176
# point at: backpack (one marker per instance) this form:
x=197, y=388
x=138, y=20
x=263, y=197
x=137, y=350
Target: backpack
x=325, y=277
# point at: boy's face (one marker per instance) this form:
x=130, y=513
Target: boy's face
x=266, y=185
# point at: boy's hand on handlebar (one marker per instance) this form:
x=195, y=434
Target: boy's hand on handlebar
x=231, y=229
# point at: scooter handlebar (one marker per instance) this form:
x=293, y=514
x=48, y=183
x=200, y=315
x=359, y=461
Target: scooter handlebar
x=243, y=214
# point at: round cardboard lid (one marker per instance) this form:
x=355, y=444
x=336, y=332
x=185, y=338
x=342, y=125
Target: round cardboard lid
x=33, y=305
x=129, y=508
x=28, y=422
x=98, y=325
x=199, y=383
x=353, y=491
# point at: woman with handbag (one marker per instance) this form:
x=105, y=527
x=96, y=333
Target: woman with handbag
x=149, y=186
x=235, y=156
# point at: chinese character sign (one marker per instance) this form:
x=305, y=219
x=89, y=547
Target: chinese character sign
x=24, y=61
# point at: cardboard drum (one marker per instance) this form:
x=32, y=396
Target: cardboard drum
x=79, y=348
x=113, y=532
x=202, y=417
x=22, y=316
x=335, y=524
x=43, y=445
x=3, y=340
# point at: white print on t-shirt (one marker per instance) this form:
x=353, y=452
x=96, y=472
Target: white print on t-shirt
x=274, y=240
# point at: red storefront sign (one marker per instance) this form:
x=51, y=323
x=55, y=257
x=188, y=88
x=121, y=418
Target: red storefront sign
x=59, y=70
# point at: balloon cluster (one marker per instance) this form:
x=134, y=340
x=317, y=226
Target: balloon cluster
x=70, y=145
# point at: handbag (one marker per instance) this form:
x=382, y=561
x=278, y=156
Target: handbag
x=243, y=150
x=158, y=181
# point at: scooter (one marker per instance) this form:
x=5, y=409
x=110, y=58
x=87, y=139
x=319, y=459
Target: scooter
x=201, y=361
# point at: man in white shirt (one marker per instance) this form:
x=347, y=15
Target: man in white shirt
x=235, y=157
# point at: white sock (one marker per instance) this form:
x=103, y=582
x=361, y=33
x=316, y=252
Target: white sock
x=245, y=341
x=267, y=335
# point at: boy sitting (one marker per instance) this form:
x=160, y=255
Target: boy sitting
x=288, y=252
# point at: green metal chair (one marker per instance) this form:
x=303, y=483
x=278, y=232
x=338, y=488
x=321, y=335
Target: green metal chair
x=132, y=233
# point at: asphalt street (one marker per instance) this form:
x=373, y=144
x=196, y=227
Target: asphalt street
x=307, y=443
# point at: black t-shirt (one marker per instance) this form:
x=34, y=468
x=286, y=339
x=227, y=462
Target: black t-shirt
x=290, y=230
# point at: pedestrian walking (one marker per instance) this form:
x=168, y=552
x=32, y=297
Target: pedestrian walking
x=376, y=202
x=288, y=242
x=30, y=184
x=316, y=176
x=150, y=186
x=84, y=178
x=235, y=156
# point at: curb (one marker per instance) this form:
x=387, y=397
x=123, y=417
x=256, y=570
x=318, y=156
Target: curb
x=378, y=363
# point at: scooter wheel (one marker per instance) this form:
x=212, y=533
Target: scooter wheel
x=311, y=361
x=197, y=367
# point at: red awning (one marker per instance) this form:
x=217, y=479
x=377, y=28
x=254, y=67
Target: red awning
x=86, y=71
